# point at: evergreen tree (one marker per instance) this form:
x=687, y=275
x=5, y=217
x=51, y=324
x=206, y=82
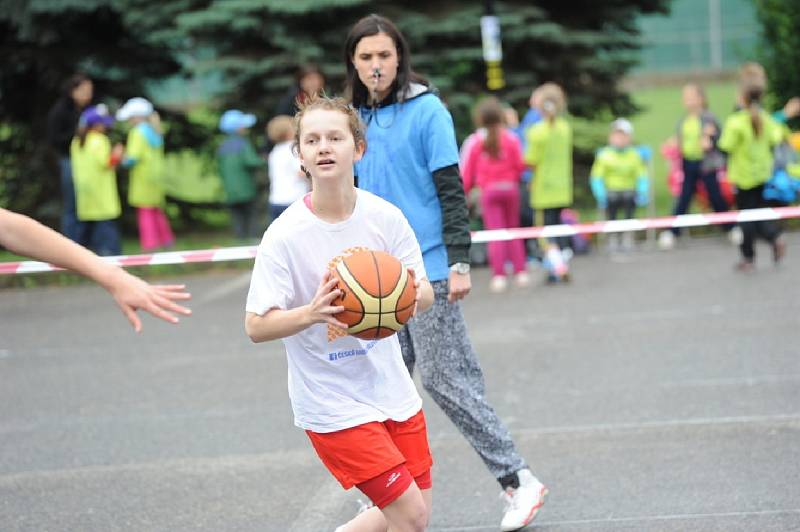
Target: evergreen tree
x=121, y=44
x=780, y=48
x=586, y=46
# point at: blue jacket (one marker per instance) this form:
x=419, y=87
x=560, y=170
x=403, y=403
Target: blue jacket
x=407, y=142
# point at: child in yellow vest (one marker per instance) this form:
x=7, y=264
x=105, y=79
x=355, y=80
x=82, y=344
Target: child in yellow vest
x=748, y=137
x=618, y=179
x=96, y=197
x=144, y=156
x=549, y=153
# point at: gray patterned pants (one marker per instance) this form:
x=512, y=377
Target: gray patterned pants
x=437, y=343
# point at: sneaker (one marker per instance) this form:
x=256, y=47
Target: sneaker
x=522, y=279
x=666, y=240
x=778, y=250
x=627, y=241
x=613, y=243
x=498, y=284
x=363, y=506
x=735, y=236
x=523, y=503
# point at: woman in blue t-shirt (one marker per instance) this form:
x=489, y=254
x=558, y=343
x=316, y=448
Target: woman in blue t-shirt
x=412, y=162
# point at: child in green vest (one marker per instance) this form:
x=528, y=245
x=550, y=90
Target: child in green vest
x=96, y=196
x=549, y=153
x=748, y=137
x=619, y=180
x=144, y=156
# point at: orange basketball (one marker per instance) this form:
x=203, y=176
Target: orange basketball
x=379, y=294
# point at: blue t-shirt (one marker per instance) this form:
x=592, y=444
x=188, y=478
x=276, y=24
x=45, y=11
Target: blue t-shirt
x=406, y=143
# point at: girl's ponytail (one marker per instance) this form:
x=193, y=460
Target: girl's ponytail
x=752, y=99
x=490, y=116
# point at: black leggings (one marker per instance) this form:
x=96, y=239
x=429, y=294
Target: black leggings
x=753, y=198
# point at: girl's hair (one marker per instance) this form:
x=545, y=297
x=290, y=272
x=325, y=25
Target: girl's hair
x=306, y=69
x=490, y=114
x=368, y=26
x=752, y=95
x=280, y=129
x=700, y=91
x=73, y=82
x=752, y=74
x=83, y=131
x=553, y=100
x=357, y=128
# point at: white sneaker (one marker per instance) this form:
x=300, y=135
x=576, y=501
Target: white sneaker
x=498, y=284
x=523, y=503
x=735, y=235
x=522, y=279
x=666, y=240
x=628, y=241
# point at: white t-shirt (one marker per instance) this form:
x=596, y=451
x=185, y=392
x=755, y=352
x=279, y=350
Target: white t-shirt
x=285, y=183
x=347, y=382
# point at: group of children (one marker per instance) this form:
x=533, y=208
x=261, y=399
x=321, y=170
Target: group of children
x=93, y=163
x=734, y=163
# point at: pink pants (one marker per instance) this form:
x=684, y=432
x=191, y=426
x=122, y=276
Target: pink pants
x=154, y=230
x=501, y=210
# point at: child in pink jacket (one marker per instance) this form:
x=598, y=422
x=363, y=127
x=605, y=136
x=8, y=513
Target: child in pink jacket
x=493, y=163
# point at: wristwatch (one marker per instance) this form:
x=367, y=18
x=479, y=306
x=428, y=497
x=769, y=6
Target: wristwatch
x=461, y=268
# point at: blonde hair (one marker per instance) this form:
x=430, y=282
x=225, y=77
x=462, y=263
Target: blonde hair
x=326, y=103
x=280, y=129
x=752, y=75
x=552, y=98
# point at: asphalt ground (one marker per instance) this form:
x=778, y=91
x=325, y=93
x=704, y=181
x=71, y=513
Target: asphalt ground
x=656, y=391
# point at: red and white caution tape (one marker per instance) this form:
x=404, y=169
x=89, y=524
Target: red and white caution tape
x=621, y=226
x=550, y=231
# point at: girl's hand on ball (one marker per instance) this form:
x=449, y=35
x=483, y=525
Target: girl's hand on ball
x=321, y=309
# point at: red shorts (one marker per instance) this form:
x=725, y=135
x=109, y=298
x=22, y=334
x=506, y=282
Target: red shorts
x=364, y=452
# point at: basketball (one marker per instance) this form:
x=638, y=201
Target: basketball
x=378, y=294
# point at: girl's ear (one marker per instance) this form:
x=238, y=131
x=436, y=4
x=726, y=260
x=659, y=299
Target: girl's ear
x=361, y=147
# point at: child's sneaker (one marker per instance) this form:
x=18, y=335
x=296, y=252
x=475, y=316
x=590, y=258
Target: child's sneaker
x=522, y=279
x=666, y=240
x=627, y=241
x=522, y=503
x=735, y=236
x=498, y=284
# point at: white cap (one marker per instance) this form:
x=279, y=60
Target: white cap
x=622, y=124
x=135, y=107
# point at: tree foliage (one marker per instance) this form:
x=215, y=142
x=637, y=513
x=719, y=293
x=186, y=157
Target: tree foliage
x=780, y=47
x=256, y=45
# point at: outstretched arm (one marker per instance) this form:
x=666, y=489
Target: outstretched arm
x=25, y=236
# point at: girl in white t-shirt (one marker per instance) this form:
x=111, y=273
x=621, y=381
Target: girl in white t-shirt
x=354, y=398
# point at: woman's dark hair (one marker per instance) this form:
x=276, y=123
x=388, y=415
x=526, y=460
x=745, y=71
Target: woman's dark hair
x=753, y=94
x=490, y=111
x=73, y=82
x=306, y=69
x=368, y=26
